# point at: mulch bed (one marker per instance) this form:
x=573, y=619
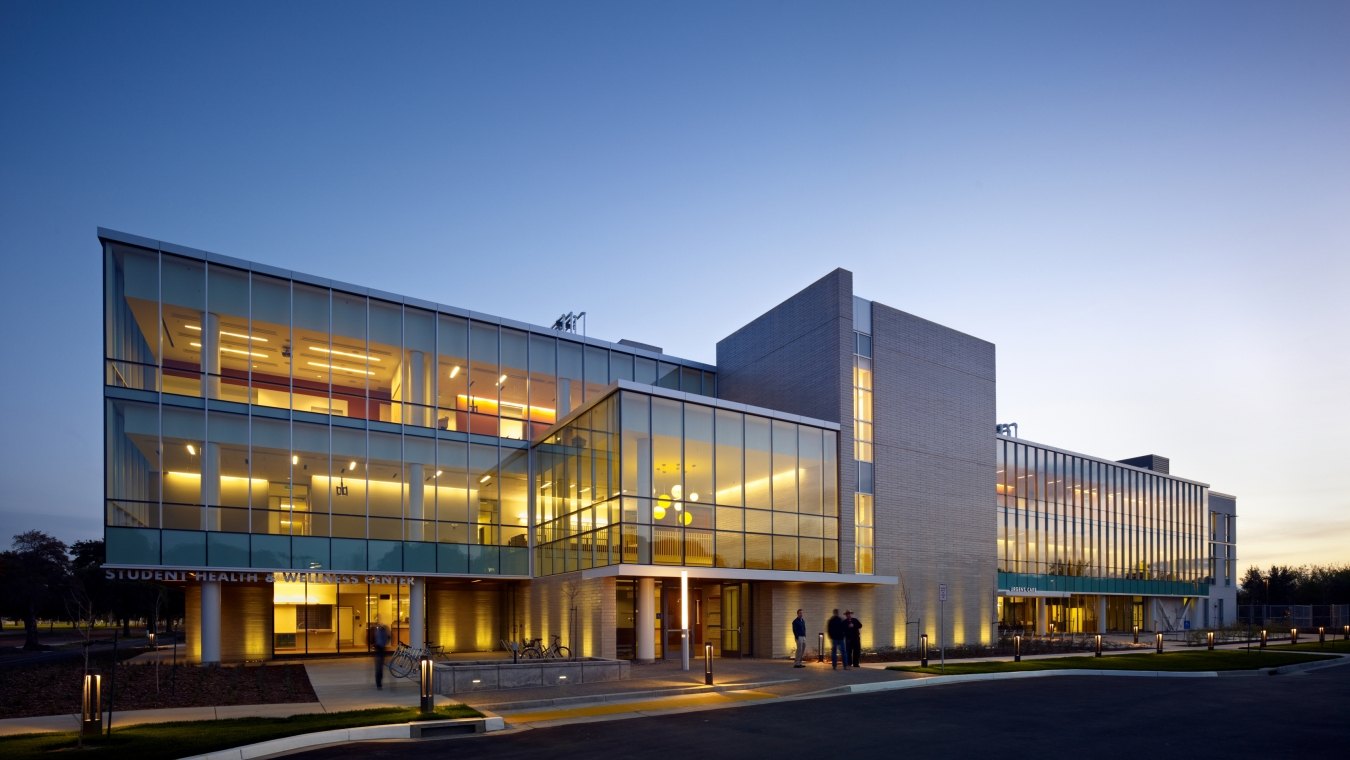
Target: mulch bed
x=54, y=688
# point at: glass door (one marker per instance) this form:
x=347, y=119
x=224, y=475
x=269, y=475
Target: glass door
x=735, y=618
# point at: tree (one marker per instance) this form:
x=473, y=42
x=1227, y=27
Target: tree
x=37, y=575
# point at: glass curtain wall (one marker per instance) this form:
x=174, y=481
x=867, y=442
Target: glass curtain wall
x=259, y=421
x=652, y=480
x=1096, y=526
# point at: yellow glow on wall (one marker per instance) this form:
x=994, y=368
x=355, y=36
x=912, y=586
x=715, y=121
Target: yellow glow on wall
x=492, y=406
x=284, y=592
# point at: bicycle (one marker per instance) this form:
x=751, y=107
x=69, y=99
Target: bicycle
x=405, y=662
x=554, y=651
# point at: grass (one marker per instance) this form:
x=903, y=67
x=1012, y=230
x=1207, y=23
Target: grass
x=153, y=741
x=1193, y=661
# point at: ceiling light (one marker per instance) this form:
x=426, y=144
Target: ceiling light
x=338, y=368
x=228, y=350
x=352, y=465
x=501, y=380
x=438, y=473
x=295, y=459
x=485, y=479
x=348, y=354
x=454, y=372
x=192, y=449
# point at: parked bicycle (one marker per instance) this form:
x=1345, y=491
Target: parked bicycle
x=404, y=663
x=554, y=651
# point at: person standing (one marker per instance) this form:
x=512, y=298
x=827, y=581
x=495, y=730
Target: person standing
x=379, y=638
x=799, y=631
x=834, y=628
x=853, y=637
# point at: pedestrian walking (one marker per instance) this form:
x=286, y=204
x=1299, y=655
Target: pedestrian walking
x=379, y=639
x=853, y=637
x=799, y=631
x=834, y=628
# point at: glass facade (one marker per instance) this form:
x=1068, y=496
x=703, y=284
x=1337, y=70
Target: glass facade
x=646, y=479
x=864, y=506
x=259, y=420
x=1069, y=523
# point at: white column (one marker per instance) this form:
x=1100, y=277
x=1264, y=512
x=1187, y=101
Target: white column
x=646, y=620
x=211, y=354
x=415, y=390
x=416, y=502
x=564, y=396
x=1101, y=613
x=210, y=486
x=1042, y=627
x=417, y=600
x=210, y=622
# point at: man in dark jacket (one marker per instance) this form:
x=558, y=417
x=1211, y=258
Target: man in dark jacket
x=835, y=630
x=853, y=635
x=799, y=633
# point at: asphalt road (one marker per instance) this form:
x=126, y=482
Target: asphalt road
x=1083, y=717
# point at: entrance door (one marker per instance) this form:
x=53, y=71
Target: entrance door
x=735, y=619
x=670, y=621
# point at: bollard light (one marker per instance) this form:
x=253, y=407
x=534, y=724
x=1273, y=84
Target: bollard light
x=1136, y=634
x=1263, y=638
x=1099, y=645
x=1017, y=649
x=707, y=664
x=91, y=706
x=1293, y=635
x=820, y=648
x=1321, y=635
x=1160, y=643
x=428, y=685
x=923, y=651
x=1209, y=636
x=1345, y=633
x=151, y=636
x=1052, y=630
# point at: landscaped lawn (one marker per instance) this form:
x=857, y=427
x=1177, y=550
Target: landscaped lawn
x=1193, y=661
x=154, y=741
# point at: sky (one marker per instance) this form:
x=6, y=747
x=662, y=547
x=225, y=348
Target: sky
x=1144, y=205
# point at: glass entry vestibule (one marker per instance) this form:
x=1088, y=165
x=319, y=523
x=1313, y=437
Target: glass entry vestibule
x=719, y=614
x=334, y=618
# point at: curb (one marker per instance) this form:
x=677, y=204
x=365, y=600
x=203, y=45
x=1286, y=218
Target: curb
x=414, y=730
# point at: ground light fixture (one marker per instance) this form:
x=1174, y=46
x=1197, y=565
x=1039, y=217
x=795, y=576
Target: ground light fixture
x=428, y=685
x=1293, y=635
x=1160, y=643
x=707, y=664
x=91, y=706
x=1099, y=645
x=820, y=648
x=1209, y=637
x=923, y=650
x=1136, y=634
x=1345, y=633
x=1263, y=638
x=1017, y=648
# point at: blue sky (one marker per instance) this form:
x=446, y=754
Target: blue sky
x=1145, y=205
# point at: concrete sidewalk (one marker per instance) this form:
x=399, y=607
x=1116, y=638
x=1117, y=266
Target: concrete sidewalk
x=343, y=684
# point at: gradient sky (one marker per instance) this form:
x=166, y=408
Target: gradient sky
x=1144, y=205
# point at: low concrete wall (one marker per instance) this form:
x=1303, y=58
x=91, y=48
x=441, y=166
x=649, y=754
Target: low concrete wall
x=468, y=677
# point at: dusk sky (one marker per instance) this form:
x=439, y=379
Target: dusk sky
x=1144, y=205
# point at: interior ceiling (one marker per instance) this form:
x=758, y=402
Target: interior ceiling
x=272, y=351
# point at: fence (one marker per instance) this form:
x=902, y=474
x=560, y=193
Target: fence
x=1302, y=616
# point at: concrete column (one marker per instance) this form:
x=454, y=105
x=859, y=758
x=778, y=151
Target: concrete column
x=417, y=616
x=415, y=390
x=210, y=486
x=210, y=622
x=1101, y=614
x=1042, y=627
x=646, y=620
x=211, y=354
x=416, y=503
x=564, y=396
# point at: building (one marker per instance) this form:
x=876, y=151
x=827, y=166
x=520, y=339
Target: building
x=307, y=458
